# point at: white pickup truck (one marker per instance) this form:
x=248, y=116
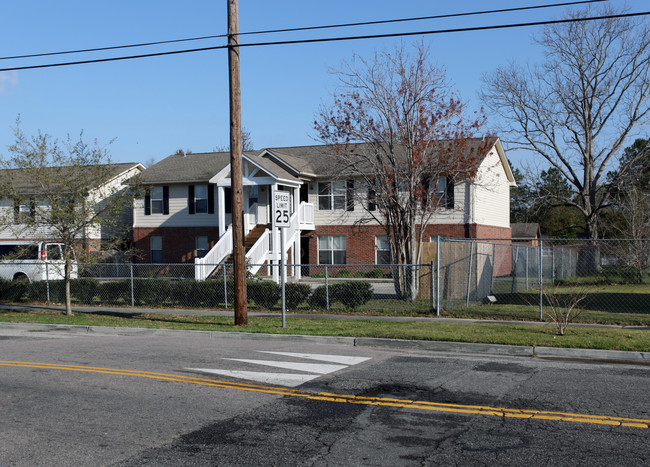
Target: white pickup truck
x=33, y=261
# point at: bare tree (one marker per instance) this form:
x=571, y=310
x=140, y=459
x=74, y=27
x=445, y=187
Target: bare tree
x=578, y=108
x=400, y=131
x=72, y=193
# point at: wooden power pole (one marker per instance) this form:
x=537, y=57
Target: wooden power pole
x=241, y=312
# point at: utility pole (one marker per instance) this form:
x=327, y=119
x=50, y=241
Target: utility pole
x=241, y=312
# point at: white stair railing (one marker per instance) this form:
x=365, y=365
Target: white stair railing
x=306, y=215
x=259, y=252
x=204, y=266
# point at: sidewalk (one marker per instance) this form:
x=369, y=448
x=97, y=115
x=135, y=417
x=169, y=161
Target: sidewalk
x=612, y=356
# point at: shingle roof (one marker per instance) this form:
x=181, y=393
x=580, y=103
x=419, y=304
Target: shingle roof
x=179, y=168
x=201, y=167
x=321, y=159
x=23, y=184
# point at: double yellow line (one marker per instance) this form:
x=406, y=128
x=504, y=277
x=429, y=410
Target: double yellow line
x=352, y=399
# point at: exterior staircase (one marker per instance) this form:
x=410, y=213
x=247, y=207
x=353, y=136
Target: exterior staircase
x=252, y=237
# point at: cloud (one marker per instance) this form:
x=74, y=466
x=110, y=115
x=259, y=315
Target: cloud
x=8, y=81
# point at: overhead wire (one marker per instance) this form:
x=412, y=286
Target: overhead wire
x=333, y=39
x=306, y=28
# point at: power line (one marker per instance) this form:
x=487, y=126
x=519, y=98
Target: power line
x=420, y=18
x=335, y=39
x=306, y=28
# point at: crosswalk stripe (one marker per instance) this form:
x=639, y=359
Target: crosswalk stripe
x=283, y=379
x=320, y=368
x=322, y=357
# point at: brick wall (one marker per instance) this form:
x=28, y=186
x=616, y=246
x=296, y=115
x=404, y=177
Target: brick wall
x=177, y=242
x=360, y=239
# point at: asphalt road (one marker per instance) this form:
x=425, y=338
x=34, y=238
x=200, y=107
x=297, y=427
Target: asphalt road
x=237, y=400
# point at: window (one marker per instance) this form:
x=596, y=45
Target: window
x=445, y=192
x=253, y=195
x=200, y=199
x=156, y=201
x=332, y=195
x=24, y=212
x=156, y=249
x=331, y=249
x=383, y=249
x=201, y=246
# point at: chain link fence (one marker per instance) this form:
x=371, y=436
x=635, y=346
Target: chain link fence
x=455, y=274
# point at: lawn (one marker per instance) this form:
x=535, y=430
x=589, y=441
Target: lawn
x=435, y=330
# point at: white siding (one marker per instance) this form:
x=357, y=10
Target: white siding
x=491, y=194
x=342, y=217
x=179, y=214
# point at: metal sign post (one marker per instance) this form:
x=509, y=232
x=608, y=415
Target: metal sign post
x=281, y=216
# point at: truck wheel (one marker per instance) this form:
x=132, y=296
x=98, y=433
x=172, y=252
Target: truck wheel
x=21, y=277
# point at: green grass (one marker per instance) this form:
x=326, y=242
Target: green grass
x=507, y=334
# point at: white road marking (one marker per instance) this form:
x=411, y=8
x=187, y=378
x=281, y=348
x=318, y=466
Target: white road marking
x=320, y=368
x=310, y=370
x=282, y=379
x=325, y=358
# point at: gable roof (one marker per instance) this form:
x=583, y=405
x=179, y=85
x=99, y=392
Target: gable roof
x=322, y=160
x=184, y=168
x=23, y=184
x=283, y=163
x=203, y=167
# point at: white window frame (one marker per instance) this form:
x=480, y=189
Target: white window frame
x=156, y=196
x=201, y=246
x=328, y=244
x=334, y=195
x=155, y=244
x=200, y=199
x=379, y=242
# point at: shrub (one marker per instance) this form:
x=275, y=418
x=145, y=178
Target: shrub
x=37, y=291
x=265, y=293
x=84, y=290
x=375, y=273
x=111, y=292
x=295, y=294
x=343, y=273
x=318, y=299
x=185, y=293
x=352, y=294
x=151, y=292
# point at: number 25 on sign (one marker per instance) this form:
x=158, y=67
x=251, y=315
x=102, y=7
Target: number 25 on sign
x=281, y=202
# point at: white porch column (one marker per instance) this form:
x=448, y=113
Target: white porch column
x=221, y=215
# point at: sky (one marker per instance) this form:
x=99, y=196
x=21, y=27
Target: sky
x=144, y=110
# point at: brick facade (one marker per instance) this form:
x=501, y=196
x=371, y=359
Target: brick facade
x=178, y=243
x=360, y=239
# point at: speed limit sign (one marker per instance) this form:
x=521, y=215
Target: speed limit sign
x=281, y=211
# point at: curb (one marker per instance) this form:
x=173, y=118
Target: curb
x=612, y=356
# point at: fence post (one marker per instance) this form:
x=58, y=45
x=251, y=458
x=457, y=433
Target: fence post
x=541, y=281
x=553, y=264
x=527, y=265
x=494, y=265
x=47, y=280
x=469, y=273
x=438, y=276
x=327, y=291
x=132, y=288
x=515, y=261
x=225, y=285
x=433, y=296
